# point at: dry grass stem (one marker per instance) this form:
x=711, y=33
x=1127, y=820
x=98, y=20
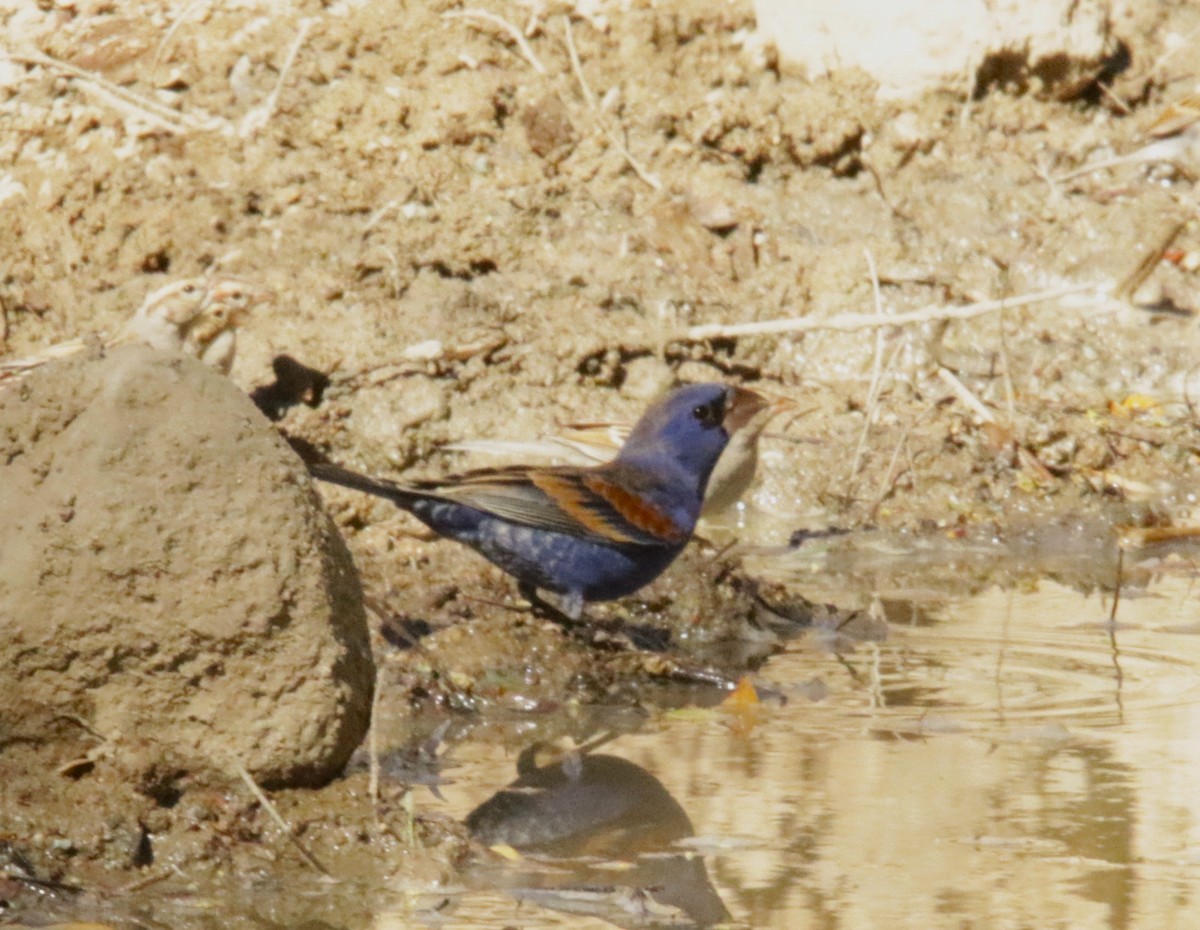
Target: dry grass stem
x=158, y=115
x=850, y=322
x=573, y=54
x=876, y=374
x=1028, y=460
x=1137, y=537
x=1117, y=101
x=1166, y=56
x=1010, y=394
x=1096, y=166
x=891, y=474
x=373, y=752
x=179, y=20
x=1116, y=601
x=644, y=176
x=1146, y=265
x=966, y=395
x=258, y=118
x=513, y=33
x=274, y=814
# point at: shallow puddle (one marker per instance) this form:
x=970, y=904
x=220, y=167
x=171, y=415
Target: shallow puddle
x=1007, y=759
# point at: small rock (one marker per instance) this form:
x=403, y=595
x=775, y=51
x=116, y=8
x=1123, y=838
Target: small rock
x=548, y=128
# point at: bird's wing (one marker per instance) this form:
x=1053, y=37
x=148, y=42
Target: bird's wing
x=574, y=444
x=527, y=450
x=577, y=501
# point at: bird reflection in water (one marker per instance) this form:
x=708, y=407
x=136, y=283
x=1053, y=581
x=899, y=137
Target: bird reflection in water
x=599, y=832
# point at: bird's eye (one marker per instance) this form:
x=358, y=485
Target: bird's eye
x=710, y=414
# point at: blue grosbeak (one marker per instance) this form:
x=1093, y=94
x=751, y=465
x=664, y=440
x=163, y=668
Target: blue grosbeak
x=592, y=443
x=587, y=533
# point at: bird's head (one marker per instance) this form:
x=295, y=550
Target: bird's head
x=226, y=305
x=690, y=427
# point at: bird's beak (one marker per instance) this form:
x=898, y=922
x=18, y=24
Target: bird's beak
x=743, y=407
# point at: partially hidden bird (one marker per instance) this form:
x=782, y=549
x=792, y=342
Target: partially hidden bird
x=588, y=533
x=197, y=316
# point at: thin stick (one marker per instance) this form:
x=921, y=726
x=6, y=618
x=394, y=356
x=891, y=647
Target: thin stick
x=964, y=393
x=305, y=25
x=162, y=117
x=1117, y=101
x=257, y=118
x=1027, y=459
x=1043, y=172
x=645, y=176
x=850, y=322
x=1098, y=166
x=373, y=750
x=891, y=475
x=274, y=815
x=1010, y=394
x=513, y=32
x=573, y=54
x=1145, y=267
x=174, y=27
x=876, y=373
x=153, y=879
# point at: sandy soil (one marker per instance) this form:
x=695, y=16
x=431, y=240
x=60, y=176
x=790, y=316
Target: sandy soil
x=479, y=240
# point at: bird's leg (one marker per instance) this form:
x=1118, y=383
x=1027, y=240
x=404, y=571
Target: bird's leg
x=572, y=605
x=569, y=616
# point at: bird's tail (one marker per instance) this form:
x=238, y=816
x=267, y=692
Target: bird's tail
x=335, y=474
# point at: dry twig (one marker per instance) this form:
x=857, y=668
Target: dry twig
x=573, y=54
x=850, y=322
x=876, y=373
x=1028, y=460
x=172, y=29
x=513, y=32
x=966, y=396
x=274, y=814
x=258, y=118
x=158, y=115
x=645, y=176
x=373, y=750
x=1146, y=265
x=891, y=474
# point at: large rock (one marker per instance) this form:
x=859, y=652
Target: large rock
x=914, y=46
x=168, y=574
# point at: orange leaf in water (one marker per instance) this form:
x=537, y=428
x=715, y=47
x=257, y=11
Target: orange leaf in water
x=742, y=697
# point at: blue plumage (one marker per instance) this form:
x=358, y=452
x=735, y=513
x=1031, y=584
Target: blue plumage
x=590, y=534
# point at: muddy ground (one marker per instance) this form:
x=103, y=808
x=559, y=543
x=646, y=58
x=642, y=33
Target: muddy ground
x=476, y=240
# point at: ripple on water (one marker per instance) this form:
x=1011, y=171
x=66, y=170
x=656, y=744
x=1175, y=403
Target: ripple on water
x=1009, y=661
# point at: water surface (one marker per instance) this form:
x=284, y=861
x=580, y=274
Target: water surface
x=1011, y=758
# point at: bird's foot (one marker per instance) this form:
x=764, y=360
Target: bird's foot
x=569, y=616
